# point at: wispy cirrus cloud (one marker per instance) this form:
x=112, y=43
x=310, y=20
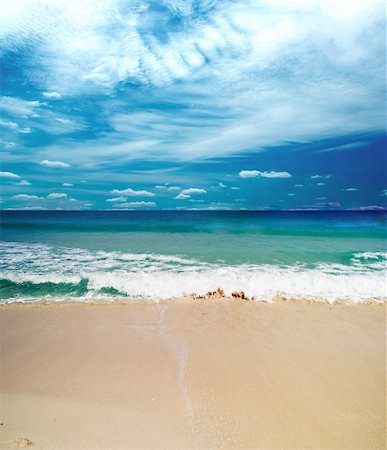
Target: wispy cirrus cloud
x=55, y=164
x=133, y=193
x=113, y=87
x=136, y=205
x=116, y=199
x=240, y=64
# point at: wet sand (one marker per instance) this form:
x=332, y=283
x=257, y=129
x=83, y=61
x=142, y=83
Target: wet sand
x=193, y=374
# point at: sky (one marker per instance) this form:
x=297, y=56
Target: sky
x=183, y=104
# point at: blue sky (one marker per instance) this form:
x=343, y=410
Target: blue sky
x=179, y=104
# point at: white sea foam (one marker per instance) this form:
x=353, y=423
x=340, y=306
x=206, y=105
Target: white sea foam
x=162, y=276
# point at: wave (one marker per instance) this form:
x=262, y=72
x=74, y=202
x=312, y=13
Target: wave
x=32, y=271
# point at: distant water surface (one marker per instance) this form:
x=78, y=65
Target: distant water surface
x=86, y=255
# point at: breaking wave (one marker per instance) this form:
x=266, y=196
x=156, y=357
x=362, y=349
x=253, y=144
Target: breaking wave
x=32, y=272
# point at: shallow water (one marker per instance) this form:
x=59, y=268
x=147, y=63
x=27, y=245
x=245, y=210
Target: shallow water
x=59, y=255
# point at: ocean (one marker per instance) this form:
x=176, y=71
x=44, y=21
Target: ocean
x=55, y=256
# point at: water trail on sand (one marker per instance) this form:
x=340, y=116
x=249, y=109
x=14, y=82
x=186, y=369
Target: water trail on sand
x=179, y=349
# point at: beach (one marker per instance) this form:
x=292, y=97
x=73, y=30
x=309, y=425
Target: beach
x=193, y=374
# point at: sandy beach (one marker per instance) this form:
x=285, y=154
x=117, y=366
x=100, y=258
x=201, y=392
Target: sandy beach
x=193, y=374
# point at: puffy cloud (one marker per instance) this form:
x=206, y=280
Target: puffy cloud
x=57, y=195
x=26, y=197
x=67, y=184
x=182, y=196
x=52, y=95
x=132, y=193
x=273, y=174
x=8, y=175
x=351, y=189
x=249, y=173
x=186, y=193
x=56, y=164
x=258, y=173
x=24, y=183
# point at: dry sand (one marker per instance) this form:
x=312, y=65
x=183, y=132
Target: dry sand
x=193, y=374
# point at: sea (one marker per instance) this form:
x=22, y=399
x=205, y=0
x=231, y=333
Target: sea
x=88, y=256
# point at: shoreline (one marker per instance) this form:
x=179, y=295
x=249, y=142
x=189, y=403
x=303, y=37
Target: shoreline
x=209, y=297
x=193, y=374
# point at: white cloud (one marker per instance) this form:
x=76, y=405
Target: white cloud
x=56, y=164
x=136, y=204
x=249, y=173
x=320, y=184
x=316, y=177
x=26, y=130
x=298, y=185
x=273, y=174
x=241, y=49
x=222, y=185
x=56, y=195
x=117, y=199
x=61, y=120
x=351, y=189
x=11, y=125
x=67, y=184
x=8, y=175
x=186, y=193
x=24, y=183
x=167, y=187
x=26, y=197
x=132, y=193
x=9, y=144
x=266, y=174
x=18, y=107
x=190, y=191
x=52, y=95
x=182, y=196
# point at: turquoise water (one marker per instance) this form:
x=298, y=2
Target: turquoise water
x=63, y=255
